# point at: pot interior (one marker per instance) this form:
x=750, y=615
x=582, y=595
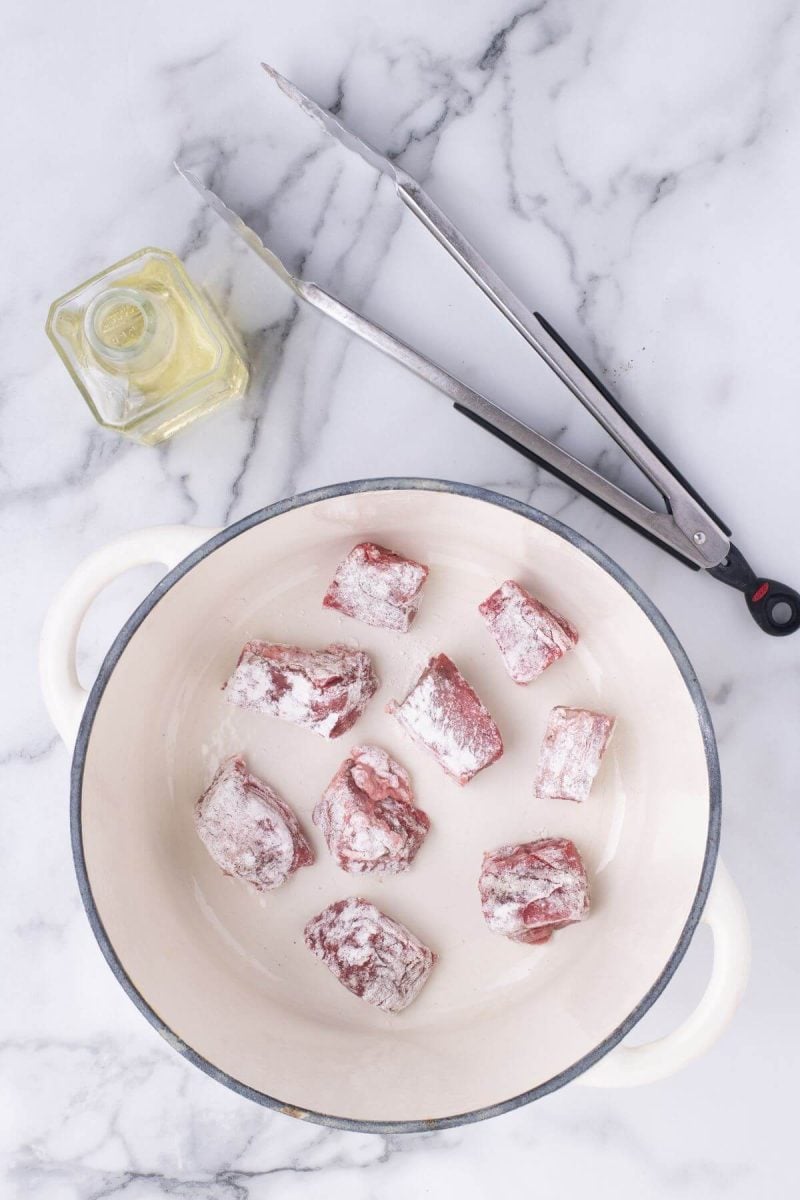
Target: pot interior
x=226, y=970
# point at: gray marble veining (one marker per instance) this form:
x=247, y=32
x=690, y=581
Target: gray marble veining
x=632, y=171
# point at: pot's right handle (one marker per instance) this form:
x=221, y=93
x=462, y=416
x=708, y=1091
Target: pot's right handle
x=63, y=695
x=626, y=1066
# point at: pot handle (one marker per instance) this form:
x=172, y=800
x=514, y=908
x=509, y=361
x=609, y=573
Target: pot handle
x=626, y=1066
x=63, y=695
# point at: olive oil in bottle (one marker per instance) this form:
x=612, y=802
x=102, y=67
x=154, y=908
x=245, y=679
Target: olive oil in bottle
x=146, y=348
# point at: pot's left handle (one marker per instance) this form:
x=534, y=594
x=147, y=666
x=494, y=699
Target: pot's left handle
x=63, y=695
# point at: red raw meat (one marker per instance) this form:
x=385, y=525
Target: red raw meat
x=443, y=713
x=377, y=586
x=531, y=637
x=530, y=891
x=375, y=957
x=573, y=747
x=324, y=690
x=367, y=814
x=248, y=830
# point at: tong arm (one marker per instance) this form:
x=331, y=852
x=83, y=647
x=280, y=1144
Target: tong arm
x=691, y=515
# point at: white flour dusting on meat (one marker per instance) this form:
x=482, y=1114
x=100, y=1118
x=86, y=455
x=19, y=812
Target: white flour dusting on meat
x=531, y=890
x=530, y=636
x=573, y=747
x=373, y=956
x=324, y=690
x=248, y=830
x=444, y=714
x=367, y=814
x=377, y=586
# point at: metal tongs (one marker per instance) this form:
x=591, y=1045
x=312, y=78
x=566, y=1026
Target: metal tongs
x=688, y=529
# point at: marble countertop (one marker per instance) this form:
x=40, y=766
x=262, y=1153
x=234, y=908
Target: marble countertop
x=632, y=171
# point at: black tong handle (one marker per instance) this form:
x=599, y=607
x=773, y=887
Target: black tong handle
x=775, y=607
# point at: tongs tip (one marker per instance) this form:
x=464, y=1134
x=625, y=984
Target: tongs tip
x=189, y=176
x=273, y=74
x=289, y=89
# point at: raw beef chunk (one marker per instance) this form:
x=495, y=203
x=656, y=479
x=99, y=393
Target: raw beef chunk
x=443, y=713
x=248, y=830
x=529, y=891
x=574, y=744
x=375, y=957
x=530, y=636
x=324, y=690
x=367, y=814
x=377, y=586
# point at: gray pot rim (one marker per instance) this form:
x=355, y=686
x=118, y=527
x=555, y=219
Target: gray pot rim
x=314, y=497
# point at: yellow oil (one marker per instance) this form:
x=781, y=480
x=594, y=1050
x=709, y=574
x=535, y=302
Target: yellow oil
x=146, y=348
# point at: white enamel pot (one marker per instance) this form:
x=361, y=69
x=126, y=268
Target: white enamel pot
x=223, y=973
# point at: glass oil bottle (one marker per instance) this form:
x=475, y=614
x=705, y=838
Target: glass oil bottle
x=146, y=348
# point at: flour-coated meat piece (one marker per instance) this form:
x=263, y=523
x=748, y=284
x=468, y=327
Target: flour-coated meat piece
x=324, y=690
x=529, y=635
x=529, y=891
x=248, y=829
x=572, y=749
x=377, y=586
x=375, y=957
x=444, y=713
x=367, y=814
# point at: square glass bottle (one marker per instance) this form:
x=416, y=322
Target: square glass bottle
x=145, y=347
